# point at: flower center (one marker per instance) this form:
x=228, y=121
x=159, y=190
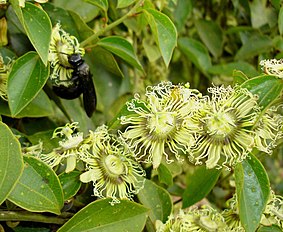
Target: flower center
x=62, y=55
x=114, y=165
x=220, y=124
x=162, y=123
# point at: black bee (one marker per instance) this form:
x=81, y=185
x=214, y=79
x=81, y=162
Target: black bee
x=81, y=83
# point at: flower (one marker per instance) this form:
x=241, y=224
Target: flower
x=231, y=214
x=110, y=166
x=225, y=136
x=273, y=213
x=4, y=73
x=162, y=119
x=273, y=67
x=268, y=129
x=68, y=147
x=198, y=220
x=61, y=46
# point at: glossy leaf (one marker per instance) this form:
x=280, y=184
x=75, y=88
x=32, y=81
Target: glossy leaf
x=11, y=161
x=70, y=183
x=26, y=79
x=164, y=31
x=268, y=88
x=40, y=106
x=196, y=52
x=199, y=184
x=122, y=48
x=211, y=35
x=164, y=175
x=157, y=200
x=252, y=188
x=254, y=46
x=37, y=26
x=125, y=3
x=101, y=216
x=102, y=4
x=38, y=189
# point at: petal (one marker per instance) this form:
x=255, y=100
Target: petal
x=157, y=152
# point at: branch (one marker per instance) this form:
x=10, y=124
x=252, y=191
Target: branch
x=112, y=25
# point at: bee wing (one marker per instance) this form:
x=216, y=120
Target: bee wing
x=89, y=94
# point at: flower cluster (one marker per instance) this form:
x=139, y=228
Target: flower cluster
x=220, y=129
x=199, y=220
x=109, y=162
x=62, y=45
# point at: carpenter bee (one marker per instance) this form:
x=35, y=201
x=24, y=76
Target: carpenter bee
x=80, y=83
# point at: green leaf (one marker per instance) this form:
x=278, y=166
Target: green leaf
x=280, y=21
x=259, y=13
x=11, y=161
x=181, y=13
x=164, y=32
x=101, y=216
x=40, y=106
x=70, y=183
x=37, y=26
x=269, y=229
x=211, y=35
x=164, y=175
x=252, y=188
x=45, y=137
x=196, y=52
x=157, y=200
x=125, y=3
x=27, y=77
x=84, y=10
x=254, y=46
x=227, y=69
x=199, y=184
x=105, y=58
x=122, y=48
x=268, y=88
x=70, y=21
x=38, y=189
x=239, y=77
x=102, y=4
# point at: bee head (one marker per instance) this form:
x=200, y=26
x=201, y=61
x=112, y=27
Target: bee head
x=75, y=60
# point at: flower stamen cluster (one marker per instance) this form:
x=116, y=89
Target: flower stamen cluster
x=273, y=67
x=195, y=219
x=161, y=120
x=68, y=147
x=62, y=45
x=111, y=166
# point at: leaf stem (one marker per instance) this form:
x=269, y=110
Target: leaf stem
x=31, y=217
x=112, y=25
